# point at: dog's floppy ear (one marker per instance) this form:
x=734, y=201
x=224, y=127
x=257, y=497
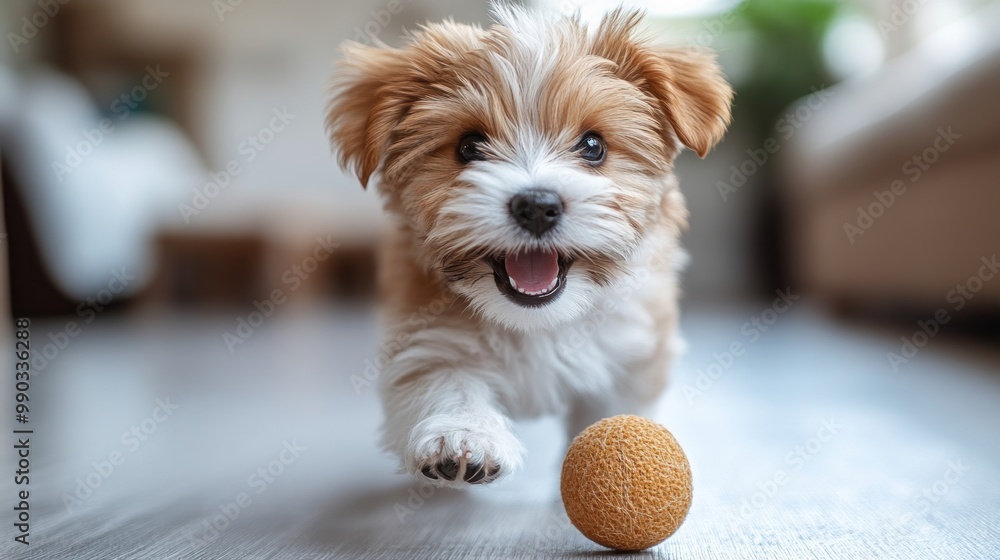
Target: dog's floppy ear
x=375, y=87
x=365, y=105
x=687, y=85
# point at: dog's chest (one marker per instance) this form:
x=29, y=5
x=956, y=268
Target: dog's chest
x=543, y=371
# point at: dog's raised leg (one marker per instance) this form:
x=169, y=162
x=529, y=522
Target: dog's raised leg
x=447, y=427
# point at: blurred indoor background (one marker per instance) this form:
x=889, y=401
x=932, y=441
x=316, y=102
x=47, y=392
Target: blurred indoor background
x=165, y=168
x=120, y=121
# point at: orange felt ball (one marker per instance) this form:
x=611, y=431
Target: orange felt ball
x=626, y=483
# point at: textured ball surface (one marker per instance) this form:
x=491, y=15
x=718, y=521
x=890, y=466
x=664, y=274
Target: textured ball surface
x=626, y=483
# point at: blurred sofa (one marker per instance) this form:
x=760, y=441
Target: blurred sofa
x=893, y=187
x=85, y=191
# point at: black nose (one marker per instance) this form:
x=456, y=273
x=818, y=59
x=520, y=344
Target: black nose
x=536, y=211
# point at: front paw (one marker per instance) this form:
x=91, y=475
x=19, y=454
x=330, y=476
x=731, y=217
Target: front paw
x=459, y=450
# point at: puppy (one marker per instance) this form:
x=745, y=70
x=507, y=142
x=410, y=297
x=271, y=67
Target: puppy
x=532, y=263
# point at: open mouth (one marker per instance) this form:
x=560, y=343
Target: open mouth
x=530, y=278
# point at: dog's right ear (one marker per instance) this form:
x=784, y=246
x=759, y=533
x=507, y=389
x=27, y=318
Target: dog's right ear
x=375, y=87
x=366, y=105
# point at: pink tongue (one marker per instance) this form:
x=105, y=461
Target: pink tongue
x=533, y=270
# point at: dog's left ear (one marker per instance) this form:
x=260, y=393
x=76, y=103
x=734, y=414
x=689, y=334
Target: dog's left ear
x=687, y=85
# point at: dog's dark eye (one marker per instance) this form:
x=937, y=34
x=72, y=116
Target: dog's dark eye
x=592, y=148
x=470, y=148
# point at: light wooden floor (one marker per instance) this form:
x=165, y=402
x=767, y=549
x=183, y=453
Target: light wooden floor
x=855, y=495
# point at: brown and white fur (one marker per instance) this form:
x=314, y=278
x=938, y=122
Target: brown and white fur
x=469, y=354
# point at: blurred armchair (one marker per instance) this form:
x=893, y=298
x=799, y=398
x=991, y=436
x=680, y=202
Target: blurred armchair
x=893, y=188
x=85, y=194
